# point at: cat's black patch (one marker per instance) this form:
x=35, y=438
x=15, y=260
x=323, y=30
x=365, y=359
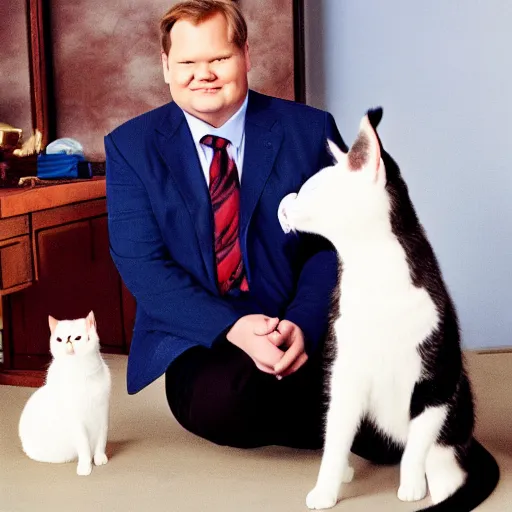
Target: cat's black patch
x=371, y=444
x=375, y=116
x=443, y=372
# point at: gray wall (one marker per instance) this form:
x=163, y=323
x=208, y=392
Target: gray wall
x=442, y=70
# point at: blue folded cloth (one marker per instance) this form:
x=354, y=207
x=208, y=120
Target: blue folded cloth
x=65, y=145
x=55, y=166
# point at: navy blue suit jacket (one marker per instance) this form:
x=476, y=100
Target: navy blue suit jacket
x=161, y=230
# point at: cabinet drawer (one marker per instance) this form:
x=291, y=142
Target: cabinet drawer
x=15, y=264
x=15, y=226
x=67, y=214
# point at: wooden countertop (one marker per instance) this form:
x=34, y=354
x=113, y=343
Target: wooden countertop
x=19, y=201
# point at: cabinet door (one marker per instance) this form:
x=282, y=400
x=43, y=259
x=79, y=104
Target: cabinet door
x=75, y=275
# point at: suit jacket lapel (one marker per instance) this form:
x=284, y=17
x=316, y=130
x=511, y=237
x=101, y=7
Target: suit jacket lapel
x=263, y=137
x=178, y=150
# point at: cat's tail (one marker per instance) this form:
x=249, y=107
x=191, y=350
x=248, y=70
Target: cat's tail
x=483, y=477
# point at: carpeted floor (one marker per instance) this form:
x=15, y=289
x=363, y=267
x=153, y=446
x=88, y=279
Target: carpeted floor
x=155, y=465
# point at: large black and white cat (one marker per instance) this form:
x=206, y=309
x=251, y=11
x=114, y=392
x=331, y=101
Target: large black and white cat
x=398, y=362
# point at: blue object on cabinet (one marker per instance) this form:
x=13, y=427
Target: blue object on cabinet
x=59, y=166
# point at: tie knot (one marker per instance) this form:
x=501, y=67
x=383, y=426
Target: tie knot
x=215, y=142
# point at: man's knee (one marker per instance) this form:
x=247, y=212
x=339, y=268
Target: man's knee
x=220, y=415
x=217, y=407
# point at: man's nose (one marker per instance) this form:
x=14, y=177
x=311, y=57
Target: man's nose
x=204, y=72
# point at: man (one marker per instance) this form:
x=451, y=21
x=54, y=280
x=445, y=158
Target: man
x=231, y=309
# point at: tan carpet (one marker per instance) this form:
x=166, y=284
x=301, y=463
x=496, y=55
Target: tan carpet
x=155, y=465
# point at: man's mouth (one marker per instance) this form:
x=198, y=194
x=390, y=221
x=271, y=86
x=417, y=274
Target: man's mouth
x=207, y=90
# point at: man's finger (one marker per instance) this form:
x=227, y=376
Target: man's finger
x=299, y=362
x=295, y=350
x=269, y=326
x=263, y=368
x=285, y=328
x=276, y=338
x=283, y=335
x=267, y=355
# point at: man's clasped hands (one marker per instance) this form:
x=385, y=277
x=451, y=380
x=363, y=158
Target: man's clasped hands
x=276, y=346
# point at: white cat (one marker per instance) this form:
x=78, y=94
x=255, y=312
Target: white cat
x=67, y=418
x=398, y=361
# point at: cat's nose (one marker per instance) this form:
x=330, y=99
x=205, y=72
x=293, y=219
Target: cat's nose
x=283, y=212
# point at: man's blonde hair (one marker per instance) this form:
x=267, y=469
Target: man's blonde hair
x=197, y=11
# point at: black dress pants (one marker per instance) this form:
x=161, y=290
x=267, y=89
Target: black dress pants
x=220, y=395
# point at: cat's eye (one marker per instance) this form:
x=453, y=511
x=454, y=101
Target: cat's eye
x=59, y=339
x=78, y=338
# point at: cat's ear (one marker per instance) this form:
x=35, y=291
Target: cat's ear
x=365, y=152
x=375, y=116
x=336, y=152
x=52, y=322
x=90, y=321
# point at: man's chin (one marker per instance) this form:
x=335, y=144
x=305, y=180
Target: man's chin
x=209, y=106
x=206, y=109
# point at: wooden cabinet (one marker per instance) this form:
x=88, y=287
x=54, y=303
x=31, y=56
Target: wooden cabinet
x=15, y=265
x=56, y=261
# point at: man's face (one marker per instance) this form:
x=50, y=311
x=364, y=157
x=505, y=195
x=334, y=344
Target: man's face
x=206, y=72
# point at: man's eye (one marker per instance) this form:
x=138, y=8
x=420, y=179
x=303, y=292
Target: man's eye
x=78, y=338
x=59, y=339
x=220, y=59
x=186, y=62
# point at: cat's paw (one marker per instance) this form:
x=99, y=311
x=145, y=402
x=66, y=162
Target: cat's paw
x=84, y=468
x=319, y=499
x=413, y=489
x=100, y=459
x=348, y=475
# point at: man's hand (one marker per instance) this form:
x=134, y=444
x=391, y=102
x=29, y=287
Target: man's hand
x=289, y=336
x=250, y=333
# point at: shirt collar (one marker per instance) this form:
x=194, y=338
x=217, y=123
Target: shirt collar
x=232, y=129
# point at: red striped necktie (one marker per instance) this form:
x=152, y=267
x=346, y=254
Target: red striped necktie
x=225, y=198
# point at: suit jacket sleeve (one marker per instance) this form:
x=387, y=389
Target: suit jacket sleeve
x=310, y=308
x=169, y=296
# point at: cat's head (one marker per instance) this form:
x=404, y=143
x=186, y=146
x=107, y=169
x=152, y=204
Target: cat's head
x=348, y=198
x=73, y=338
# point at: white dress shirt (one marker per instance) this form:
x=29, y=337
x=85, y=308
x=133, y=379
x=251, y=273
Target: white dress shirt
x=233, y=130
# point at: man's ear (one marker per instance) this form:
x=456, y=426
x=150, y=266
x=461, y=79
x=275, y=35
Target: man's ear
x=165, y=66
